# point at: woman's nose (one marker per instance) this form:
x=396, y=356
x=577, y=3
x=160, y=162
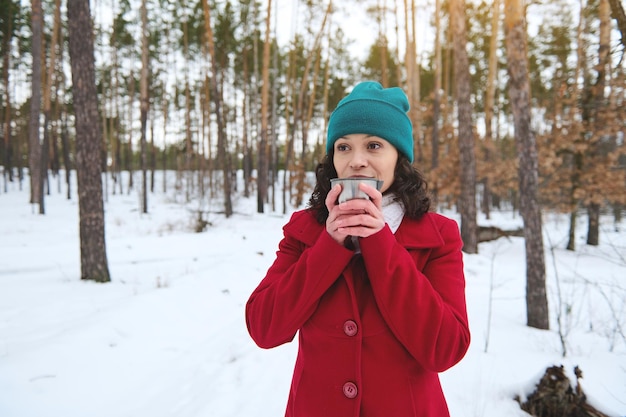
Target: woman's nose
x=358, y=160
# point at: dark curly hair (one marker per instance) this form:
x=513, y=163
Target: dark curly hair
x=409, y=186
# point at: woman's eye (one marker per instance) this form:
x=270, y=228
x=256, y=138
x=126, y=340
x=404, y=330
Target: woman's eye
x=342, y=147
x=373, y=145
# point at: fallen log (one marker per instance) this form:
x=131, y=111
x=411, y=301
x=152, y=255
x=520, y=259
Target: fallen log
x=488, y=233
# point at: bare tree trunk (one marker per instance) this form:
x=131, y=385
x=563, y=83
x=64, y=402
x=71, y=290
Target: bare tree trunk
x=577, y=166
x=397, y=32
x=409, y=64
x=571, y=241
x=65, y=150
x=164, y=156
x=6, y=62
x=303, y=117
x=447, y=80
x=129, y=149
x=311, y=104
x=263, y=155
x=593, y=226
x=436, y=101
x=43, y=170
x=245, y=146
x=93, y=259
x=273, y=148
x=65, y=141
x=290, y=132
x=209, y=141
x=416, y=116
x=188, y=144
x=222, y=144
x=116, y=151
x=152, y=162
x=254, y=110
x=382, y=36
x=47, y=93
x=34, y=146
x=467, y=203
x=489, y=106
x=246, y=163
x=577, y=157
x=599, y=122
x=322, y=137
x=145, y=104
x=519, y=92
x=413, y=78
x=55, y=163
x=106, y=136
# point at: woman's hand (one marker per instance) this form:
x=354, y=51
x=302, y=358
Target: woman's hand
x=358, y=217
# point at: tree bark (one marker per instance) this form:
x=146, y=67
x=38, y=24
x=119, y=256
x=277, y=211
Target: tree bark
x=222, y=144
x=47, y=106
x=34, y=146
x=130, y=166
x=65, y=149
x=436, y=103
x=382, y=36
x=467, y=203
x=245, y=147
x=490, y=93
x=6, y=62
x=144, y=105
x=599, y=120
x=188, y=142
x=413, y=84
x=290, y=133
x=262, y=174
x=93, y=258
x=519, y=92
x=577, y=156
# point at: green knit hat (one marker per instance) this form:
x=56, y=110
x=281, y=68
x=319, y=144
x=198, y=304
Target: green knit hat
x=373, y=110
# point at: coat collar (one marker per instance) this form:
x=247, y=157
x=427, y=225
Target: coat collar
x=422, y=233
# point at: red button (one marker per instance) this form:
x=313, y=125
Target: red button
x=350, y=390
x=350, y=328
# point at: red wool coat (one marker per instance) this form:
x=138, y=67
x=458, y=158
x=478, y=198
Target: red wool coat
x=374, y=329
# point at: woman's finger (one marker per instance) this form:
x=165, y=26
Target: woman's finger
x=332, y=196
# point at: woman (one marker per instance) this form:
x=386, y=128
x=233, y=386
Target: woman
x=375, y=287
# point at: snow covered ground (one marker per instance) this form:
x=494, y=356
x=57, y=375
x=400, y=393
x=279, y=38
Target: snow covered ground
x=167, y=336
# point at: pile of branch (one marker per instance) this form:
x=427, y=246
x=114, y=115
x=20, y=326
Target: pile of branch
x=555, y=397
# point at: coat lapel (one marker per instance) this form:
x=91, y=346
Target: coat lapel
x=419, y=234
x=304, y=227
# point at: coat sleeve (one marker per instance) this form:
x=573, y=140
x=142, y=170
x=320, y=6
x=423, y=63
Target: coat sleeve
x=425, y=309
x=293, y=286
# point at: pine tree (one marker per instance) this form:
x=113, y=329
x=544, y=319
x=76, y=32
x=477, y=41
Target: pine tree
x=519, y=92
x=93, y=259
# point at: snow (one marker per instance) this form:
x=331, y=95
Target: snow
x=167, y=336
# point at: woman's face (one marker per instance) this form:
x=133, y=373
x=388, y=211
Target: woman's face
x=362, y=155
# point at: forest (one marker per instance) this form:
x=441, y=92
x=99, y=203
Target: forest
x=514, y=104
x=216, y=110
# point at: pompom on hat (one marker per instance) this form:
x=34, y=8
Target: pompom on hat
x=373, y=110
